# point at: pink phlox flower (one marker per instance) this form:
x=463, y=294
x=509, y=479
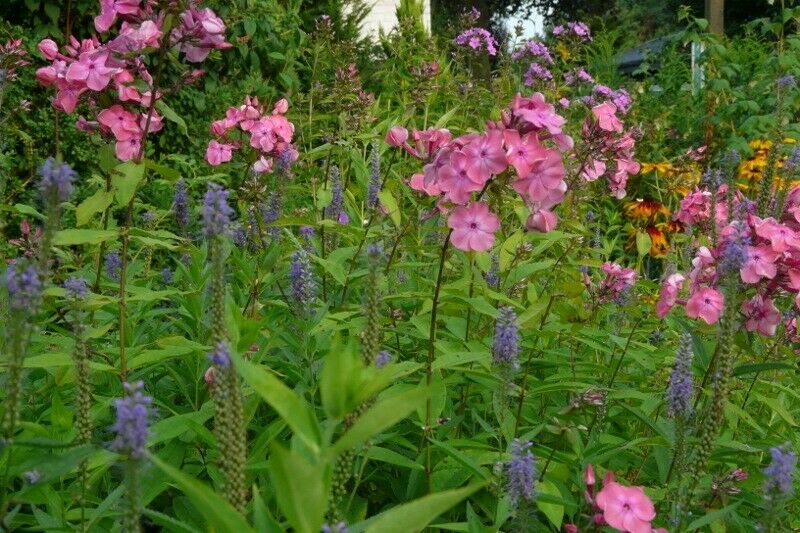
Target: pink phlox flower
x=668, y=295
x=542, y=221
x=535, y=112
x=760, y=264
x=781, y=237
x=522, y=150
x=109, y=9
x=627, y=509
x=593, y=170
x=123, y=123
x=544, y=183
x=473, y=227
x=218, y=153
x=607, y=117
x=706, y=303
x=92, y=70
x=762, y=315
x=454, y=179
x=695, y=206
x=485, y=156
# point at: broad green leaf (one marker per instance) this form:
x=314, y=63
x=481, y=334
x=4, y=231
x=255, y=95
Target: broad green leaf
x=96, y=203
x=301, y=489
x=777, y=407
x=415, y=515
x=23, y=209
x=262, y=518
x=390, y=204
x=553, y=512
x=215, y=509
x=384, y=414
x=385, y=455
x=125, y=180
x=74, y=237
x=463, y=459
x=340, y=372
x=172, y=116
x=713, y=516
x=291, y=407
x=643, y=243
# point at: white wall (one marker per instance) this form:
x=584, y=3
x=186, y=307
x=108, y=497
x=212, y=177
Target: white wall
x=384, y=15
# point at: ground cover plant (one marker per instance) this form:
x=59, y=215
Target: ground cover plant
x=451, y=283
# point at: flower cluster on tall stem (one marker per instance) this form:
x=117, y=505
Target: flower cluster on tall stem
x=116, y=70
x=132, y=429
x=226, y=388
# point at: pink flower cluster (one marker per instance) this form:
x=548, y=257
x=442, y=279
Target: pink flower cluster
x=610, y=149
x=117, y=66
x=617, y=281
x=529, y=139
x=577, y=30
x=624, y=508
x=270, y=134
x=478, y=39
x=11, y=58
x=535, y=49
x=763, y=252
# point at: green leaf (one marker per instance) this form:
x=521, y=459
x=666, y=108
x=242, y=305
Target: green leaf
x=74, y=237
x=382, y=415
x=713, y=516
x=218, y=512
x=262, y=518
x=125, y=180
x=300, y=488
x=23, y=209
x=390, y=204
x=463, y=459
x=291, y=407
x=643, y=243
x=385, y=455
x=96, y=203
x=777, y=407
x=553, y=511
x=340, y=371
x=172, y=116
x=415, y=515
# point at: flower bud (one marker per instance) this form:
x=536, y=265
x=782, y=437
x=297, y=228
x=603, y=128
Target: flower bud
x=397, y=136
x=541, y=221
x=48, y=48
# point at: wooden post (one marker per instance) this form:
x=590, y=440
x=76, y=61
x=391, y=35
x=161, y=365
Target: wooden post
x=715, y=14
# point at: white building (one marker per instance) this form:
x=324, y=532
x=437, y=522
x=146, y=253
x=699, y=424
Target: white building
x=384, y=16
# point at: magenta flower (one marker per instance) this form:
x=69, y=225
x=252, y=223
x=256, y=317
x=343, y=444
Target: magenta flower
x=607, y=117
x=455, y=180
x=781, y=237
x=760, y=264
x=218, y=153
x=668, y=296
x=626, y=508
x=762, y=315
x=485, y=156
x=522, y=150
x=544, y=184
x=122, y=123
x=473, y=227
x=92, y=70
x=706, y=303
x=541, y=221
x=397, y=136
x=109, y=9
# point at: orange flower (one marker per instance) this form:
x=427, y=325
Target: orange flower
x=659, y=246
x=645, y=209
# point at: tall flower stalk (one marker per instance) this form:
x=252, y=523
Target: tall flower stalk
x=373, y=334
x=679, y=401
x=228, y=410
x=132, y=428
x=77, y=291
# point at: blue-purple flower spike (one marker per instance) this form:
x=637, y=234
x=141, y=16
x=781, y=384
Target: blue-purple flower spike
x=216, y=211
x=302, y=279
x=681, y=381
x=132, y=425
x=521, y=472
x=76, y=288
x=220, y=355
x=336, y=210
x=382, y=359
x=24, y=286
x=180, y=204
x=506, y=338
x=779, y=475
x=113, y=265
x=374, y=185
x=56, y=180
